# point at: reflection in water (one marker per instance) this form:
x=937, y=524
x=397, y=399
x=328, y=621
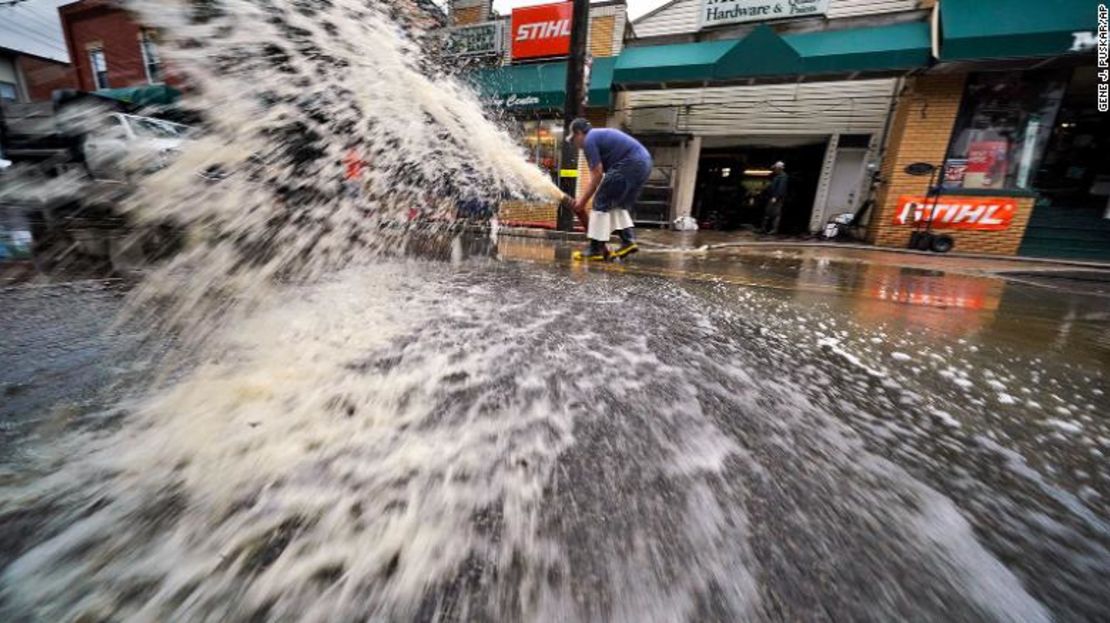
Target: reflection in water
x=951, y=305
x=480, y=440
x=359, y=434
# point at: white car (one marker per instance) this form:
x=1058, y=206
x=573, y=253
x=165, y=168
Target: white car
x=129, y=143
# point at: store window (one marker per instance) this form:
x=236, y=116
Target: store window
x=99, y=68
x=1003, y=128
x=1075, y=171
x=541, y=139
x=151, y=62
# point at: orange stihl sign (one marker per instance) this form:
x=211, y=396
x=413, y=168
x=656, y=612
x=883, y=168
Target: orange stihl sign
x=979, y=213
x=542, y=31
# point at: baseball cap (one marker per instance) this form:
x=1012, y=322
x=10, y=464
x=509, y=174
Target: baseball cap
x=578, y=125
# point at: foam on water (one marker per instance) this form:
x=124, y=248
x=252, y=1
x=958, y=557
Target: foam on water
x=359, y=451
x=286, y=90
x=358, y=436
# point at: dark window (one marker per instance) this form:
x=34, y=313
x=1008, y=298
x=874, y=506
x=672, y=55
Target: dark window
x=8, y=92
x=1004, y=124
x=99, y=68
x=151, y=61
x=855, y=140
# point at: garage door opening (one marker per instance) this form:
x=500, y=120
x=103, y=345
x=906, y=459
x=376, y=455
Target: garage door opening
x=732, y=185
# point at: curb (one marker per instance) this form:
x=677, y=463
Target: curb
x=547, y=234
x=966, y=256
x=543, y=234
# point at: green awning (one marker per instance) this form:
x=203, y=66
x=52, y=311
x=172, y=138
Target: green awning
x=541, y=85
x=683, y=62
x=764, y=52
x=883, y=48
x=151, y=95
x=999, y=29
x=601, y=81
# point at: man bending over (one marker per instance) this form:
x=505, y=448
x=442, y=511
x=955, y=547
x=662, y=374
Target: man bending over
x=619, y=168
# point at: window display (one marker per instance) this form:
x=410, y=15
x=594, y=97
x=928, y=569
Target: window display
x=1003, y=129
x=541, y=139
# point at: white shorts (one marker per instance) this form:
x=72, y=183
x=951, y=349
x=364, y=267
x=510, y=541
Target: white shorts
x=603, y=224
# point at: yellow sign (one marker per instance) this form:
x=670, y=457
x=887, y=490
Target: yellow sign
x=568, y=172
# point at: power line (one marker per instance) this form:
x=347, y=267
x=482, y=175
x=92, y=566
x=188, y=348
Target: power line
x=8, y=3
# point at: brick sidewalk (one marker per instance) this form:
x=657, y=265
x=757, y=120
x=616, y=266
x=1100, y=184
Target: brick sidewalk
x=751, y=243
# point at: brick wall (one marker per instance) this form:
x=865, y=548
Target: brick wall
x=597, y=118
x=528, y=213
x=43, y=77
x=920, y=132
x=91, y=23
x=466, y=15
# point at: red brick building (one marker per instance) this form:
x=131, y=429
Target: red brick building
x=43, y=76
x=108, y=48
x=24, y=77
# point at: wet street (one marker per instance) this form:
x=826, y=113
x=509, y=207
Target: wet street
x=500, y=434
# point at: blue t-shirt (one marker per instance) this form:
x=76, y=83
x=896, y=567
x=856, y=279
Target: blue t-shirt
x=611, y=147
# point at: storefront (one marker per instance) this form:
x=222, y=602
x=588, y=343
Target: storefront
x=811, y=90
x=530, y=100
x=1014, y=100
x=524, y=85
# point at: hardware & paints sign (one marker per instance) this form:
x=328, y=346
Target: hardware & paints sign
x=721, y=12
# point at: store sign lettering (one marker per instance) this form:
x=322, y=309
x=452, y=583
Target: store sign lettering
x=1083, y=41
x=514, y=101
x=545, y=30
x=542, y=31
x=720, y=12
x=476, y=40
x=971, y=213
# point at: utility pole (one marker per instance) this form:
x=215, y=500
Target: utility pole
x=574, y=106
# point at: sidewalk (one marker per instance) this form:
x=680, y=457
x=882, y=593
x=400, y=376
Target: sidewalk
x=749, y=243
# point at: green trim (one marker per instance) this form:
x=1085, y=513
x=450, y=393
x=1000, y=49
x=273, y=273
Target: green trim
x=990, y=192
x=601, y=81
x=763, y=52
x=152, y=95
x=999, y=29
x=683, y=62
x=541, y=85
x=883, y=48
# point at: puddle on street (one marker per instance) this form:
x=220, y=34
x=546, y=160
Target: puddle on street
x=484, y=440
x=325, y=428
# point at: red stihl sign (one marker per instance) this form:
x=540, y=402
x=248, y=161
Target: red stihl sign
x=542, y=31
x=979, y=213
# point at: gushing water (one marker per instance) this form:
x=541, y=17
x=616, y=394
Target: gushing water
x=351, y=435
x=288, y=91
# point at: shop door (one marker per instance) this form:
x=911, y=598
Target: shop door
x=1072, y=216
x=846, y=182
x=731, y=185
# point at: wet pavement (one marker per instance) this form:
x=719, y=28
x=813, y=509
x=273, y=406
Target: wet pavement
x=502, y=434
